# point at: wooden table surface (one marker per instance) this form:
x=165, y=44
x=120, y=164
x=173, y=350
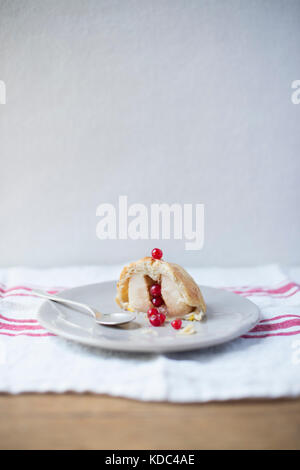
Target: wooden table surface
x=100, y=422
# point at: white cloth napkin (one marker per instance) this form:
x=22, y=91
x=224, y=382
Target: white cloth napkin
x=264, y=363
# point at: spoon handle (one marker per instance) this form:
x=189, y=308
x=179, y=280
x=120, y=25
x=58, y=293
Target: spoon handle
x=64, y=301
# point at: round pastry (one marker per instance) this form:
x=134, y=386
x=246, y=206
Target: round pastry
x=179, y=293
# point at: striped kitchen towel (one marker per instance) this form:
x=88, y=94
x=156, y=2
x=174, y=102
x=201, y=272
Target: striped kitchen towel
x=265, y=362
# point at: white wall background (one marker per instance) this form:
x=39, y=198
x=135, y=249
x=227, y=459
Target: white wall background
x=162, y=100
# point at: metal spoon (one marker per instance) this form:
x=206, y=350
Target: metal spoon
x=108, y=319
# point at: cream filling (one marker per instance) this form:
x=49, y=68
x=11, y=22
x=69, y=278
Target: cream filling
x=169, y=291
x=138, y=293
x=139, y=298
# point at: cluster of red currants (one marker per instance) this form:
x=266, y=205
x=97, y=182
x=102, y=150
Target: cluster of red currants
x=157, y=318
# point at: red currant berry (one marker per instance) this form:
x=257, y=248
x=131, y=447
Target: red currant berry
x=157, y=253
x=155, y=290
x=154, y=320
x=157, y=301
x=152, y=311
x=162, y=318
x=176, y=323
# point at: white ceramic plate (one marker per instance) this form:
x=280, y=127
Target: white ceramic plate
x=228, y=317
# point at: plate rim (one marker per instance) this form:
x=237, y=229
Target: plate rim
x=168, y=348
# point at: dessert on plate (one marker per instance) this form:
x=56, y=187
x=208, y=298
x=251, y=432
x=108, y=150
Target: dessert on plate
x=151, y=284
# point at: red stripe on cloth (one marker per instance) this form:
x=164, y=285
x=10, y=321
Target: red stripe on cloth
x=279, y=317
x=290, y=333
x=7, y=326
x=268, y=295
x=276, y=326
x=254, y=290
x=18, y=320
x=50, y=290
x=3, y=296
x=4, y=291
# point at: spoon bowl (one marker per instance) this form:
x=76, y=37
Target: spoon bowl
x=114, y=319
x=106, y=319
